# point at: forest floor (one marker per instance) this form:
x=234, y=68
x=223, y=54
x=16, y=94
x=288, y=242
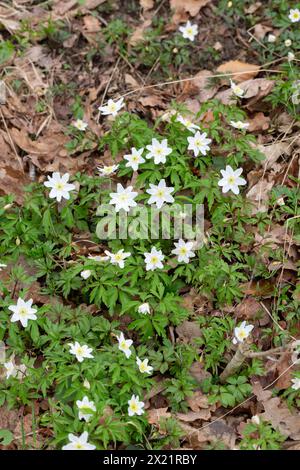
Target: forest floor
x=209, y=357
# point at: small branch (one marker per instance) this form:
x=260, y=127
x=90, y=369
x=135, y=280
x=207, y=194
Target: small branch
x=242, y=353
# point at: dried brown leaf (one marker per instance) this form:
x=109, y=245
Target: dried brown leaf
x=278, y=413
x=236, y=66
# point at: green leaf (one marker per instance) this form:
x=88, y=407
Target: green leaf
x=6, y=437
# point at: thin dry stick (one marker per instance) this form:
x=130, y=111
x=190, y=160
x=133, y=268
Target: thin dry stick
x=275, y=321
x=12, y=142
x=182, y=80
x=108, y=83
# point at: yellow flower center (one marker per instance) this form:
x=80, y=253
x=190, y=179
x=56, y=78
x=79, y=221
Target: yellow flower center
x=183, y=250
x=160, y=193
x=158, y=151
x=242, y=334
x=143, y=367
x=59, y=186
x=231, y=180
x=134, y=407
x=80, y=351
x=124, y=345
x=154, y=259
x=118, y=257
x=78, y=445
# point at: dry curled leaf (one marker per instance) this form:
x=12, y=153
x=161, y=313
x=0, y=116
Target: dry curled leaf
x=244, y=70
x=146, y=4
x=277, y=413
x=273, y=151
x=190, y=6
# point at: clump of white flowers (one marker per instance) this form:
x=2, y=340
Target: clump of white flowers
x=60, y=188
x=242, y=332
x=189, y=31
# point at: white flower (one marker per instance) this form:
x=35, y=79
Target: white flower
x=237, y=91
x=98, y=258
x=2, y=266
x=134, y=158
x=239, y=124
x=288, y=42
x=199, y=143
x=189, y=31
x=79, y=442
x=231, y=180
x=85, y=274
x=135, y=406
x=118, y=258
x=59, y=185
x=80, y=125
x=124, y=345
x=296, y=383
x=13, y=370
x=271, y=38
x=183, y=250
x=86, y=384
x=160, y=194
x=107, y=170
x=188, y=124
x=86, y=408
x=255, y=419
x=291, y=56
x=158, y=151
x=296, y=352
x=23, y=312
x=154, y=259
x=242, y=332
x=280, y=201
x=294, y=15
x=112, y=107
x=144, y=308
x=123, y=198
x=81, y=352
x=143, y=366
